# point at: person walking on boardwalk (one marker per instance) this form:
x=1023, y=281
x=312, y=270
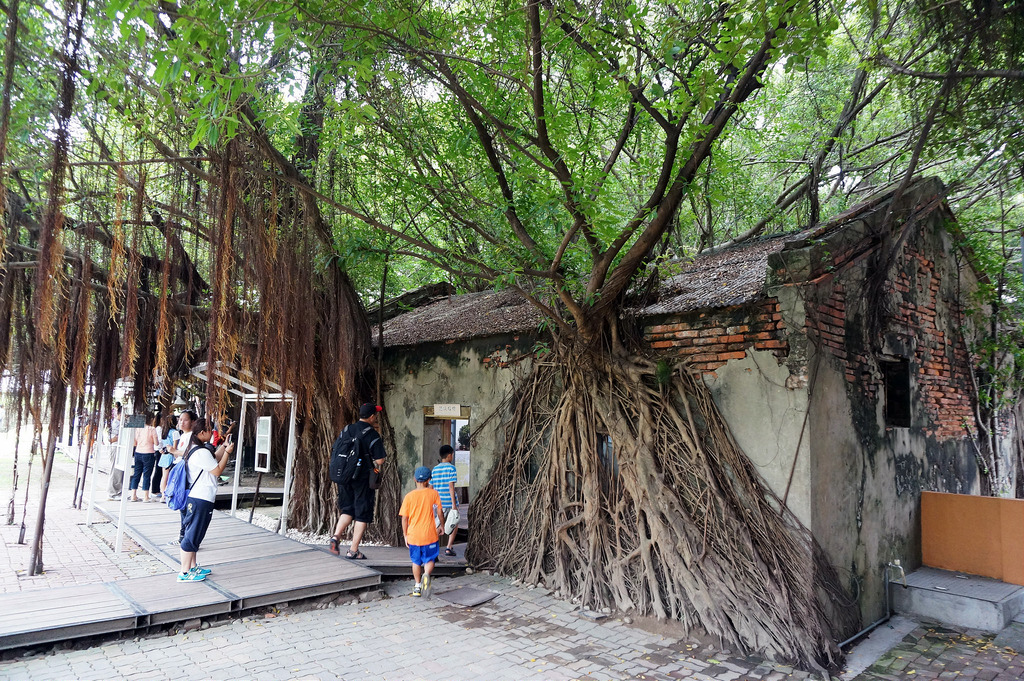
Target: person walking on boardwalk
x=443, y=479
x=204, y=465
x=355, y=496
x=421, y=516
x=168, y=442
x=146, y=441
x=117, y=462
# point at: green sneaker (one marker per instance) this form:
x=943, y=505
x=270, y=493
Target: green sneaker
x=190, y=576
x=417, y=591
x=427, y=583
x=201, y=570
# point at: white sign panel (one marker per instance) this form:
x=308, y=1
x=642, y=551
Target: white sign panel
x=447, y=410
x=462, y=468
x=263, y=444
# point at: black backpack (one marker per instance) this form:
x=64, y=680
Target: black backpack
x=347, y=456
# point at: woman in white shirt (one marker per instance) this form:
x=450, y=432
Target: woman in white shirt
x=204, y=465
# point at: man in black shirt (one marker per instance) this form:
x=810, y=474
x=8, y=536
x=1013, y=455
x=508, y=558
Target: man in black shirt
x=355, y=497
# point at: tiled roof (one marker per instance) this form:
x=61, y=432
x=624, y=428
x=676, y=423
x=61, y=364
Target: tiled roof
x=730, y=277
x=471, y=315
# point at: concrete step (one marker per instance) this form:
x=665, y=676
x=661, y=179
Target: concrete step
x=959, y=599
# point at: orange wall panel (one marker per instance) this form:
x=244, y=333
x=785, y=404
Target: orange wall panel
x=972, y=534
x=1012, y=521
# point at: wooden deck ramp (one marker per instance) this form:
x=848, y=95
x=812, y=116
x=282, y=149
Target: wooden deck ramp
x=250, y=567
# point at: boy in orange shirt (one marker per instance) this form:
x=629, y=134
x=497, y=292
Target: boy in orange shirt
x=420, y=508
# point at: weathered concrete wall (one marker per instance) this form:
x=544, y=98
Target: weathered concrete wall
x=476, y=373
x=867, y=476
x=765, y=417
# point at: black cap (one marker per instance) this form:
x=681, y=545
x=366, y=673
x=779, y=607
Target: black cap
x=368, y=410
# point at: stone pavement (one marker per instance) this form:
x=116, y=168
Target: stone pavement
x=522, y=634
x=73, y=553
x=935, y=652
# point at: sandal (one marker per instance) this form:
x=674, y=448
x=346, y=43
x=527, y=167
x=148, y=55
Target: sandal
x=358, y=555
x=449, y=552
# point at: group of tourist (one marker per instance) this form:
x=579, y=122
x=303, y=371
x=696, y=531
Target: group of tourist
x=156, y=447
x=191, y=441
x=149, y=471
x=427, y=512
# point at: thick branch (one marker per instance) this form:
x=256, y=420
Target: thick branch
x=1004, y=74
x=714, y=123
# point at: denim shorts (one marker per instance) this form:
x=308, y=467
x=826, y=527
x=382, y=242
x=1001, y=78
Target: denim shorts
x=421, y=555
x=196, y=520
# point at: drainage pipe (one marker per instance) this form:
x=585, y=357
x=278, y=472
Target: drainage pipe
x=895, y=565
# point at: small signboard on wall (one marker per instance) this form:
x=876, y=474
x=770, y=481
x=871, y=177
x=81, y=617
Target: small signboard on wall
x=462, y=467
x=447, y=411
x=263, y=444
x=135, y=421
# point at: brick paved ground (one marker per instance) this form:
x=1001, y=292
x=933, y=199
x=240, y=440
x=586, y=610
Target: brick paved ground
x=73, y=553
x=522, y=634
x=935, y=652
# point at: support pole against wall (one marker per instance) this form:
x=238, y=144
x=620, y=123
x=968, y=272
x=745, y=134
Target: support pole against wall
x=125, y=443
x=238, y=454
x=289, y=461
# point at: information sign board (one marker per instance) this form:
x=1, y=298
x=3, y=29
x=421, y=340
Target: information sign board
x=447, y=410
x=263, y=444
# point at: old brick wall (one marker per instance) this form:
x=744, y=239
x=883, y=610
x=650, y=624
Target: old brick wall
x=710, y=338
x=919, y=329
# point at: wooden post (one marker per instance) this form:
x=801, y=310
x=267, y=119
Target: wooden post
x=255, y=496
x=14, y=471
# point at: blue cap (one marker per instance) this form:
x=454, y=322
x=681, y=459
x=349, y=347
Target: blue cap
x=422, y=474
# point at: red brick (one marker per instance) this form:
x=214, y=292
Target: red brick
x=766, y=345
x=707, y=340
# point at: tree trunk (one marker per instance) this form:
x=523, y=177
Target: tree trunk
x=620, y=485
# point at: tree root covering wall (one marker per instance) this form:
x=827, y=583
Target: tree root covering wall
x=671, y=519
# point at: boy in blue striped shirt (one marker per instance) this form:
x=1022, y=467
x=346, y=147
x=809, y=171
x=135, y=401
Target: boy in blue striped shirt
x=442, y=479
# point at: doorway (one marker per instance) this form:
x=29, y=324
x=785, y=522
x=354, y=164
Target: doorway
x=449, y=430
x=449, y=424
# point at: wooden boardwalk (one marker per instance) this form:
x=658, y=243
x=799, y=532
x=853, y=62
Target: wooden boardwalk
x=154, y=527
x=250, y=567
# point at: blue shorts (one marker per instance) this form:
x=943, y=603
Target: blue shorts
x=421, y=555
x=197, y=516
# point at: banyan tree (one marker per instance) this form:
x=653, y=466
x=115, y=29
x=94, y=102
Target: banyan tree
x=242, y=169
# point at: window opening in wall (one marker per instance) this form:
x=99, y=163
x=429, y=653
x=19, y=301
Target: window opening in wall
x=606, y=452
x=609, y=464
x=896, y=373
